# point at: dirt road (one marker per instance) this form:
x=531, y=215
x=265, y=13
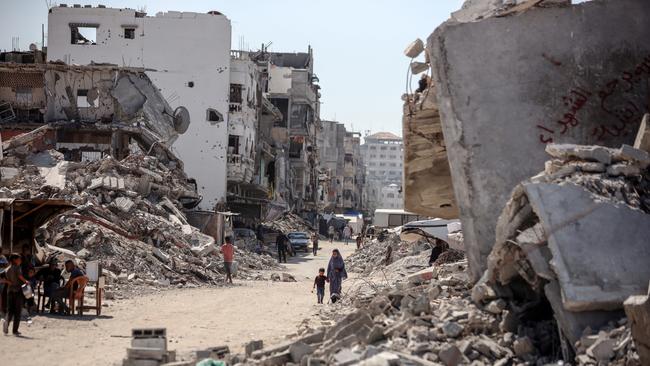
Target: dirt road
x=194, y=318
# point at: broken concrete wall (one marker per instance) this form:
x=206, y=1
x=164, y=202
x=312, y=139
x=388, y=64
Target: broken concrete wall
x=508, y=86
x=427, y=185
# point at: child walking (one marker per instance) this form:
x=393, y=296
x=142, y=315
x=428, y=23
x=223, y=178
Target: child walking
x=319, y=285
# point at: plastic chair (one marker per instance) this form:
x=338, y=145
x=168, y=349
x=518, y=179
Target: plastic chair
x=40, y=295
x=76, y=297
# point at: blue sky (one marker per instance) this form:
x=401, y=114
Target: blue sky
x=358, y=44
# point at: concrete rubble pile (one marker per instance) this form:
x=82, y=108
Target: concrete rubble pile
x=427, y=320
x=288, y=222
x=128, y=216
x=396, y=258
x=572, y=243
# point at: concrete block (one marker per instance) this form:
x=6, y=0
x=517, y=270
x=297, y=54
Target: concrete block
x=450, y=355
x=602, y=350
x=637, y=309
x=253, y=346
x=625, y=170
x=452, y=329
x=629, y=153
x=523, y=346
x=414, y=49
x=502, y=93
x=418, y=67
x=642, y=141
x=124, y=204
x=578, y=224
x=299, y=350
x=381, y=359
x=346, y=357
x=96, y=183
x=589, y=153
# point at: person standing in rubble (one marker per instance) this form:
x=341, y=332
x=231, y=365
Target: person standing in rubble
x=228, y=251
x=15, y=299
x=281, y=243
x=336, y=274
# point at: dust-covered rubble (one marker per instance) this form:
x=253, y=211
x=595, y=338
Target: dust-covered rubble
x=129, y=215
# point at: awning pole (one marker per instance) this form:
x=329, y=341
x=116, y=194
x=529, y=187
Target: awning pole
x=11, y=230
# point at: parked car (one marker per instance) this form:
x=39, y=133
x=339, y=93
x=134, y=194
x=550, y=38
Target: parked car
x=299, y=240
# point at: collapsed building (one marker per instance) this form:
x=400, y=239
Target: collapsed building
x=98, y=138
x=186, y=72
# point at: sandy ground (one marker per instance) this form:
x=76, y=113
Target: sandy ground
x=194, y=318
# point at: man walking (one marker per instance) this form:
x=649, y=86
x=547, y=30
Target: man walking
x=228, y=251
x=15, y=298
x=314, y=244
x=281, y=243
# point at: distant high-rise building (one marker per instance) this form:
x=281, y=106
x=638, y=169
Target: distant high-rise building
x=383, y=158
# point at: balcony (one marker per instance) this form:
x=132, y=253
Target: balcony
x=240, y=169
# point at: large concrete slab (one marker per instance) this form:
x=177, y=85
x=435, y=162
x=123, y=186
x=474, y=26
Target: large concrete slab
x=507, y=86
x=600, y=249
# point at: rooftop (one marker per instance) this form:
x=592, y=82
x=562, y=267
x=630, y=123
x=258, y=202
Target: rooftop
x=384, y=136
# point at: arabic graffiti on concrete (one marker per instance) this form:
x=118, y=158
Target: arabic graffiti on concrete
x=611, y=99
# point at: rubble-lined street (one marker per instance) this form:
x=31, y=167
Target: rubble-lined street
x=195, y=319
x=171, y=197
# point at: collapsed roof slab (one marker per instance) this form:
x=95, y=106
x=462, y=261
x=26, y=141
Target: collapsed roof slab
x=600, y=249
x=508, y=86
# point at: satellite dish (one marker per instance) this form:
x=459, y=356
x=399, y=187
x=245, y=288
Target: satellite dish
x=32, y=47
x=181, y=119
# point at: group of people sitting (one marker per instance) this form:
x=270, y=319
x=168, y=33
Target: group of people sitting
x=22, y=269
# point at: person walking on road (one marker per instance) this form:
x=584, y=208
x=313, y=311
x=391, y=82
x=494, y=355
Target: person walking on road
x=228, y=251
x=281, y=243
x=330, y=232
x=319, y=285
x=15, y=299
x=347, y=233
x=336, y=274
x=314, y=244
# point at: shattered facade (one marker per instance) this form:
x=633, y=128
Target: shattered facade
x=504, y=93
x=293, y=89
x=185, y=71
x=428, y=189
x=252, y=150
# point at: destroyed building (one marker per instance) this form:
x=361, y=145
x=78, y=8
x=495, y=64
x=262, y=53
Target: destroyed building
x=578, y=84
x=252, y=151
x=293, y=89
x=341, y=166
x=383, y=159
x=186, y=72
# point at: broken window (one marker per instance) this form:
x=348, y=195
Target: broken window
x=283, y=106
x=212, y=115
x=129, y=33
x=82, y=99
x=233, y=144
x=236, y=93
x=83, y=34
x=23, y=95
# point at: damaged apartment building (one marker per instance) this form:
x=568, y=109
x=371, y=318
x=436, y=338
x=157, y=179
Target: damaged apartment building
x=341, y=169
x=186, y=73
x=256, y=162
x=88, y=113
x=293, y=88
x=250, y=143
